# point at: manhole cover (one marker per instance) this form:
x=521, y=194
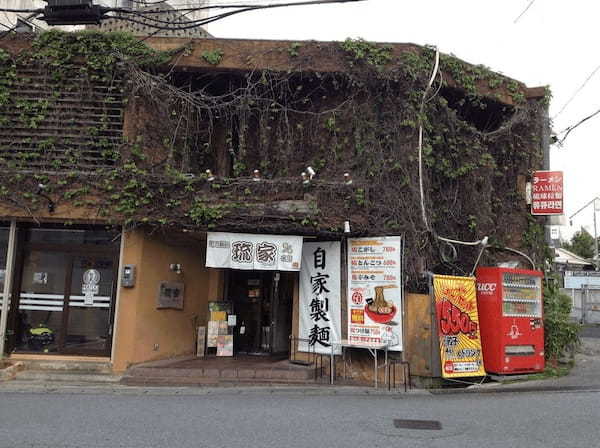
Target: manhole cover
x=417, y=424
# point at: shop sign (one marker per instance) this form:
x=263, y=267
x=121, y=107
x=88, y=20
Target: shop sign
x=253, y=252
x=547, y=193
x=375, y=291
x=320, y=298
x=89, y=287
x=458, y=326
x=170, y=295
x=579, y=279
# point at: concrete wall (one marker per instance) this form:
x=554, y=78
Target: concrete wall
x=145, y=333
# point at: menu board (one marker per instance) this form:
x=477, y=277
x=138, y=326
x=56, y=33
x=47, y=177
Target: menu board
x=201, y=342
x=225, y=345
x=375, y=291
x=213, y=332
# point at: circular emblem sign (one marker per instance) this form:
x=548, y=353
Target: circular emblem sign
x=357, y=298
x=91, y=277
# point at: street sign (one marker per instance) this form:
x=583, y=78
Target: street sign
x=547, y=194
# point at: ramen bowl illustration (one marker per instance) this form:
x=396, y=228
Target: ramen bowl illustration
x=381, y=310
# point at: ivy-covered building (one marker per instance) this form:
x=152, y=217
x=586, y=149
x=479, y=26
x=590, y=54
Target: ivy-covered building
x=118, y=157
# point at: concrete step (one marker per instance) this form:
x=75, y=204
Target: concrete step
x=66, y=376
x=99, y=367
x=222, y=373
x=205, y=381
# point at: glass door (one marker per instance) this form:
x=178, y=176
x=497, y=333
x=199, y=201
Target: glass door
x=65, y=303
x=88, y=322
x=39, y=316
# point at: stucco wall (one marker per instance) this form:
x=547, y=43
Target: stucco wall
x=145, y=333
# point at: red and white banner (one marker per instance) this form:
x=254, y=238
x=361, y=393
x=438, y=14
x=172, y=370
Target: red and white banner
x=547, y=193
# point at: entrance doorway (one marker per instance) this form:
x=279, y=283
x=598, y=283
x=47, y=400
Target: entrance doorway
x=262, y=301
x=66, y=286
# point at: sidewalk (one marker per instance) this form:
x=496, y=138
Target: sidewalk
x=585, y=375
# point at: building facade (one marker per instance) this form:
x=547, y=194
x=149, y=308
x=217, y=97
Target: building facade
x=116, y=171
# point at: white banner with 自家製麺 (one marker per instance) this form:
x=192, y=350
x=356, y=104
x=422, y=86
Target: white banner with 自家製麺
x=320, y=298
x=375, y=291
x=253, y=252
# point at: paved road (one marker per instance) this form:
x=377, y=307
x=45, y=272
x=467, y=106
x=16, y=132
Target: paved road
x=259, y=419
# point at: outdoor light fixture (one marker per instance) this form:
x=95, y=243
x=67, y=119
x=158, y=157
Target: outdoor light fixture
x=346, y=226
x=347, y=179
x=40, y=192
x=305, y=179
x=256, y=176
x=209, y=176
x=311, y=172
x=176, y=267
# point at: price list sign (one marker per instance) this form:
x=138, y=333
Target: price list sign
x=375, y=291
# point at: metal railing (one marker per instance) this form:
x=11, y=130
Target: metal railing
x=310, y=358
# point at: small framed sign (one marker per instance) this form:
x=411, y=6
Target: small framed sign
x=170, y=295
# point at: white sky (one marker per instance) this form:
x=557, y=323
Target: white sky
x=554, y=43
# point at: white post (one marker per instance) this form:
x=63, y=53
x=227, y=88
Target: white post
x=596, y=261
x=8, y=275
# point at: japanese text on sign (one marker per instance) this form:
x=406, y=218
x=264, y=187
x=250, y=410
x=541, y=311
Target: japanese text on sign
x=547, y=193
x=458, y=326
x=260, y=252
x=375, y=291
x=320, y=311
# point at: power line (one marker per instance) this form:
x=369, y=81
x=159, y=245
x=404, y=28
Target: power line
x=524, y=11
x=54, y=16
x=577, y=92
x=570, y=129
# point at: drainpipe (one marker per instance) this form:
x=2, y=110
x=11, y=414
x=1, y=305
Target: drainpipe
x=8, y=275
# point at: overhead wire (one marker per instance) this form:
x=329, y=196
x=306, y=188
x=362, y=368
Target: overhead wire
x=577, y=91
x=570, y=129
x=524, y=11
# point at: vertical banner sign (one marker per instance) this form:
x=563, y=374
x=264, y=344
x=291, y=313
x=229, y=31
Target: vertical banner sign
x=458, y=326
x=547, y=193
x=375, y=291
x=320, y=297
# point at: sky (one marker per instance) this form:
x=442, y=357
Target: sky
x=554, y=43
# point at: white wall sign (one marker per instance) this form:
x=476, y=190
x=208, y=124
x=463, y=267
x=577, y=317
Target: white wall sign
x=579, y=279
x=320, y=297
x=375, y=291
x=89, y=287
x=253, y=252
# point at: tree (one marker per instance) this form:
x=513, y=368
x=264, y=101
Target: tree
x=582, y=244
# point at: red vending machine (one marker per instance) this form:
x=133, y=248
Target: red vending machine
x=509, y=302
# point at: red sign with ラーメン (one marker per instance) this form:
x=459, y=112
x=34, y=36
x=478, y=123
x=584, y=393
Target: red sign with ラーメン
x=547, y=193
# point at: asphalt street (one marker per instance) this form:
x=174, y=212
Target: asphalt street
x=283, y=419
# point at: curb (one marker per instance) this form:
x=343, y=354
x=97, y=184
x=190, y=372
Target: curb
x=512, y=389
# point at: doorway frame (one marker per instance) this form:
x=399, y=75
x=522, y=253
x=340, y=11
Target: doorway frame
x=71, y=251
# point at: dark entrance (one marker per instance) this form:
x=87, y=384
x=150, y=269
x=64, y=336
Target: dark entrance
x=65, y=283
x=262, y=301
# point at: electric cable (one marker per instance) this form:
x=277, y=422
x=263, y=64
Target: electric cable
x=524, y=11
x=577, y=92
x=421, y=110
x=570, y=129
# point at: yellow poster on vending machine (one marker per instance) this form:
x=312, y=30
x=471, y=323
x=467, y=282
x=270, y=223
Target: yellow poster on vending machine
x=458, y=326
